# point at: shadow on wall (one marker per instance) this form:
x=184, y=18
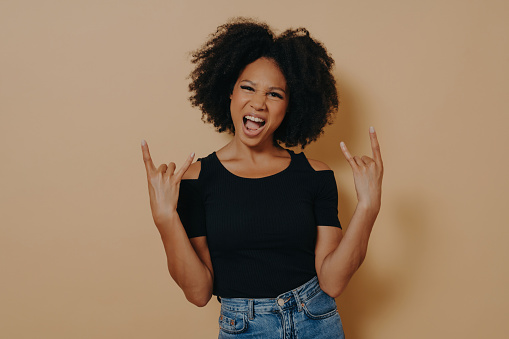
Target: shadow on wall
x=379, y=285
x=378, y=288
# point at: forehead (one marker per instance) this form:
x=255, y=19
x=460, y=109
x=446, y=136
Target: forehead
x=263, y=72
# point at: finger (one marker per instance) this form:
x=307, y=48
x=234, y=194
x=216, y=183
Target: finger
x=185, y=167
x=359, y=161
x=171, y=168
x=347, y=155
x=365, y=159
x=163, y=168
x=375, y=146
x=149, y=165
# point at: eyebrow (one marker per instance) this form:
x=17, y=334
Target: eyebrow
x=270, y=88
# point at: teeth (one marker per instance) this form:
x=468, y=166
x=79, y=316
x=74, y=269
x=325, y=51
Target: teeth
x=255, y=119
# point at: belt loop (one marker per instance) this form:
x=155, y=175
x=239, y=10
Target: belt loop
x=250, y=311
x=297, y=300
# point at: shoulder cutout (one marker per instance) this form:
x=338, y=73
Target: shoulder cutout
x=193, y=172
x=318, y=165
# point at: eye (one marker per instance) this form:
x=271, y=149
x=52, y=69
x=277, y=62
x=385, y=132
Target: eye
x=247, y=88
x=275, y=95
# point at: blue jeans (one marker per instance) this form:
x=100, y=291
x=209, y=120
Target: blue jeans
x=305, y=312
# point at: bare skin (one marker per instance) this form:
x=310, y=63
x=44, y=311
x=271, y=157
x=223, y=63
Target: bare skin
x=338, y=257
x=261, y=93
x=188, y=261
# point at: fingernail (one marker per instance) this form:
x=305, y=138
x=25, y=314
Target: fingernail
x=372, y=129
x=192, y=155
x=143, y=142
x=342, y=144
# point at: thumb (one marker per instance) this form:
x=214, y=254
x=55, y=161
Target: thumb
x=185, y=167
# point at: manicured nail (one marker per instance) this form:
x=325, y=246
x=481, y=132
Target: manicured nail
x=192, y=155
x=143, y=142
x=342, y=144
x=372, y=129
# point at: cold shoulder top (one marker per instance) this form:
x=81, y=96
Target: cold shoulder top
x=260, y=232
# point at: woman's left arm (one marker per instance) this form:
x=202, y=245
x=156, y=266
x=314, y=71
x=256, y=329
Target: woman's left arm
x=338, y=256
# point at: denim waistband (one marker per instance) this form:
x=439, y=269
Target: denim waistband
x=287, y=300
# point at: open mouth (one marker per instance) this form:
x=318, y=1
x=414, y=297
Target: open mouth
x=253, y=123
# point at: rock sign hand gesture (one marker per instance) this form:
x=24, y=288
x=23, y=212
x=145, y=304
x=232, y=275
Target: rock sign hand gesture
x=367, y=174
x=163, y=186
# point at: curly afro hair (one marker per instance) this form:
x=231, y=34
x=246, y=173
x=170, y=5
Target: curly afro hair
x=304, y=62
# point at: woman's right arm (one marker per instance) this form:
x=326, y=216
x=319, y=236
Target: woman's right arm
x=188, y=260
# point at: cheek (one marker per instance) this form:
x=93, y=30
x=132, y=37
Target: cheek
x=236, y=100
x=281, y=110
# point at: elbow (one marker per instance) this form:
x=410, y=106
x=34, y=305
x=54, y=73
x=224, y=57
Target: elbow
x=334, y=283
x=198, y=297
x=199, y=301
x=334, y=291
x=334, y=294
x=334, y=286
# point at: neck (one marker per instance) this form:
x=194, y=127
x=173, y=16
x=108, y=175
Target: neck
x=237, y=149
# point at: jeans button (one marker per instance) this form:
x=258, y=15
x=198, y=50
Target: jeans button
x=280, y=302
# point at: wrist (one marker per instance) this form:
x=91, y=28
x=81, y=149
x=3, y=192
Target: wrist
x=165, y=223
x=368, y=208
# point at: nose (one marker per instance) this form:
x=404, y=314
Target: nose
x=258, y=101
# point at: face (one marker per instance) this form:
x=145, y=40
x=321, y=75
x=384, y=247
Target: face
x=258, y=102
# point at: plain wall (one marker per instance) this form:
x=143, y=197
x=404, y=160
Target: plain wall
x=82, y=82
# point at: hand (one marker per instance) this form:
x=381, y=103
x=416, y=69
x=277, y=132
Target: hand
x=367, y=174
x=163, y=186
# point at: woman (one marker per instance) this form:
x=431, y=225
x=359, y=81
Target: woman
x=254, y=223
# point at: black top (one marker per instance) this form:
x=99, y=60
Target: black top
x=261, y=232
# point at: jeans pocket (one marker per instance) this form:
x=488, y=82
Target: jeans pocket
x=232, y=322
x=320, y=306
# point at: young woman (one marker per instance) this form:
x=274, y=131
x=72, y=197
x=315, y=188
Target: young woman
x=254, y=223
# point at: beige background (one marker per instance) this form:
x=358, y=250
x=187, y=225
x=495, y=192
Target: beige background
x=82, y=82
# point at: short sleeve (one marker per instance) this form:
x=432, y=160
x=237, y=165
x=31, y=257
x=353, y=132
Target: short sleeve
x=326, y=199
x=190, y=208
